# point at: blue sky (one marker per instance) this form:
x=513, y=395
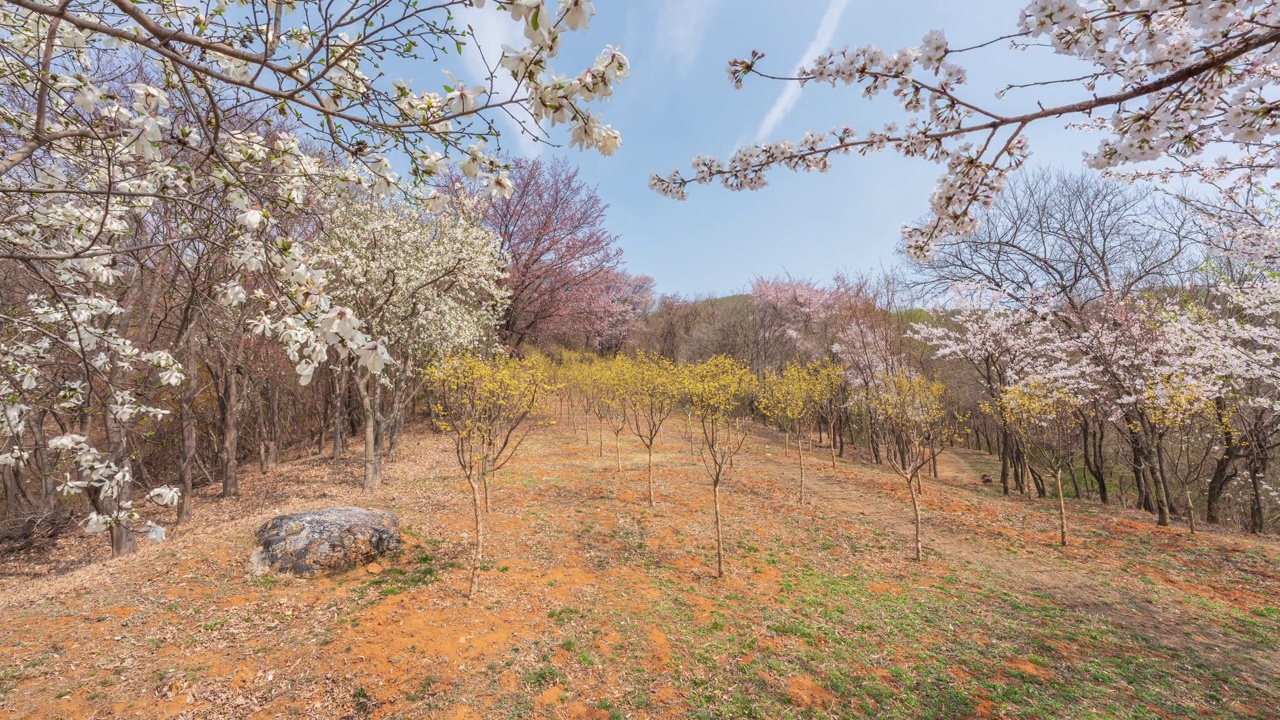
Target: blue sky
x=679, y=103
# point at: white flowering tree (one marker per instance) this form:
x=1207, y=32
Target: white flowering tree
x=1190, y=85
x=116, y=110
x=425, y=286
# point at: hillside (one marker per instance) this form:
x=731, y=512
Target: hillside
x=593, y=605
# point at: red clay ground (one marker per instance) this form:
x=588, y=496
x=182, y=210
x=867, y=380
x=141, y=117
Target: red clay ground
x=593, y=605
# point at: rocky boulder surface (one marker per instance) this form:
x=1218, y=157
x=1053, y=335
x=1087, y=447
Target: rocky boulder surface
x=317, y=542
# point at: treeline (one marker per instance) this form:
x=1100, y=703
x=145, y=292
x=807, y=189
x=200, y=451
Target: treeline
x=1093, y=333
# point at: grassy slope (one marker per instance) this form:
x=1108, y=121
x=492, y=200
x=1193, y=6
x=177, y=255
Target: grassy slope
x=594, y=605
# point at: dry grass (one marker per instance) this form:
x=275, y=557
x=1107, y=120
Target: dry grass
x=593, y=605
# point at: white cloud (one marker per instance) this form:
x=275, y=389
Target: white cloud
x=790, y=94
x=492, y=31
x=681, y=28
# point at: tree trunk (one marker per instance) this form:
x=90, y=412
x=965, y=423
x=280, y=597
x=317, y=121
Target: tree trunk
x=1191, y=513
x=1164, y=477
x=16, y=503
x=800, y=452
x=1139, y=473
x=1004, y=463
x=45, y=472
x=915, y=510
x=372, y=426
x=1093, y=458
x=1062, y=507
x=1222, y=475
x=262, y=431
x=832, y=437
x=227, y=459
x=122, y=539
x=186, y=414
x=273, y=427
x=649, y=475
x=715, y=500
x=479, y=526
x=1155, y=487
x=339, y=407
x=1257, y=473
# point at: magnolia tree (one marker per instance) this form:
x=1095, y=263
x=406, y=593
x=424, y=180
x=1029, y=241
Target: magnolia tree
x=1185, y=84
x=113, y=110
x=425, y=285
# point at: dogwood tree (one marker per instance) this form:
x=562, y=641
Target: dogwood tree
x=1189, y=85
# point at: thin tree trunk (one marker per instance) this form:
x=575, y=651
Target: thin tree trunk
x=186, y=413
x=649, y=448
x=832, y=436
x=1004, y=463
x=1191, y=513
x=915, y=509
x=1062, y=507
x=339, y=402
x=45, y=475
x=800, y=452
x=262, y=431
x=715, y=496
x=475, y=559
x=228, y=460
x=372, y=429
x=1258, y=472
x=273, y=428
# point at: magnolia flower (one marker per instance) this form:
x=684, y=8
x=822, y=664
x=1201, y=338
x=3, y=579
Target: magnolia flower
x=374, y=356
x=463, y=100
x=500, y=185
x=155, y=533
x=576, y=13
x=305, y=369
x=233, y=294
x=251, y=217
x=171, y=376
x=66, y=442
x=429, y=163
x=165, y=495
x=96, y=523
x=475, y=160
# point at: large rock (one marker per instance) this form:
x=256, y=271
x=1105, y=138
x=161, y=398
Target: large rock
x=313, y=543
